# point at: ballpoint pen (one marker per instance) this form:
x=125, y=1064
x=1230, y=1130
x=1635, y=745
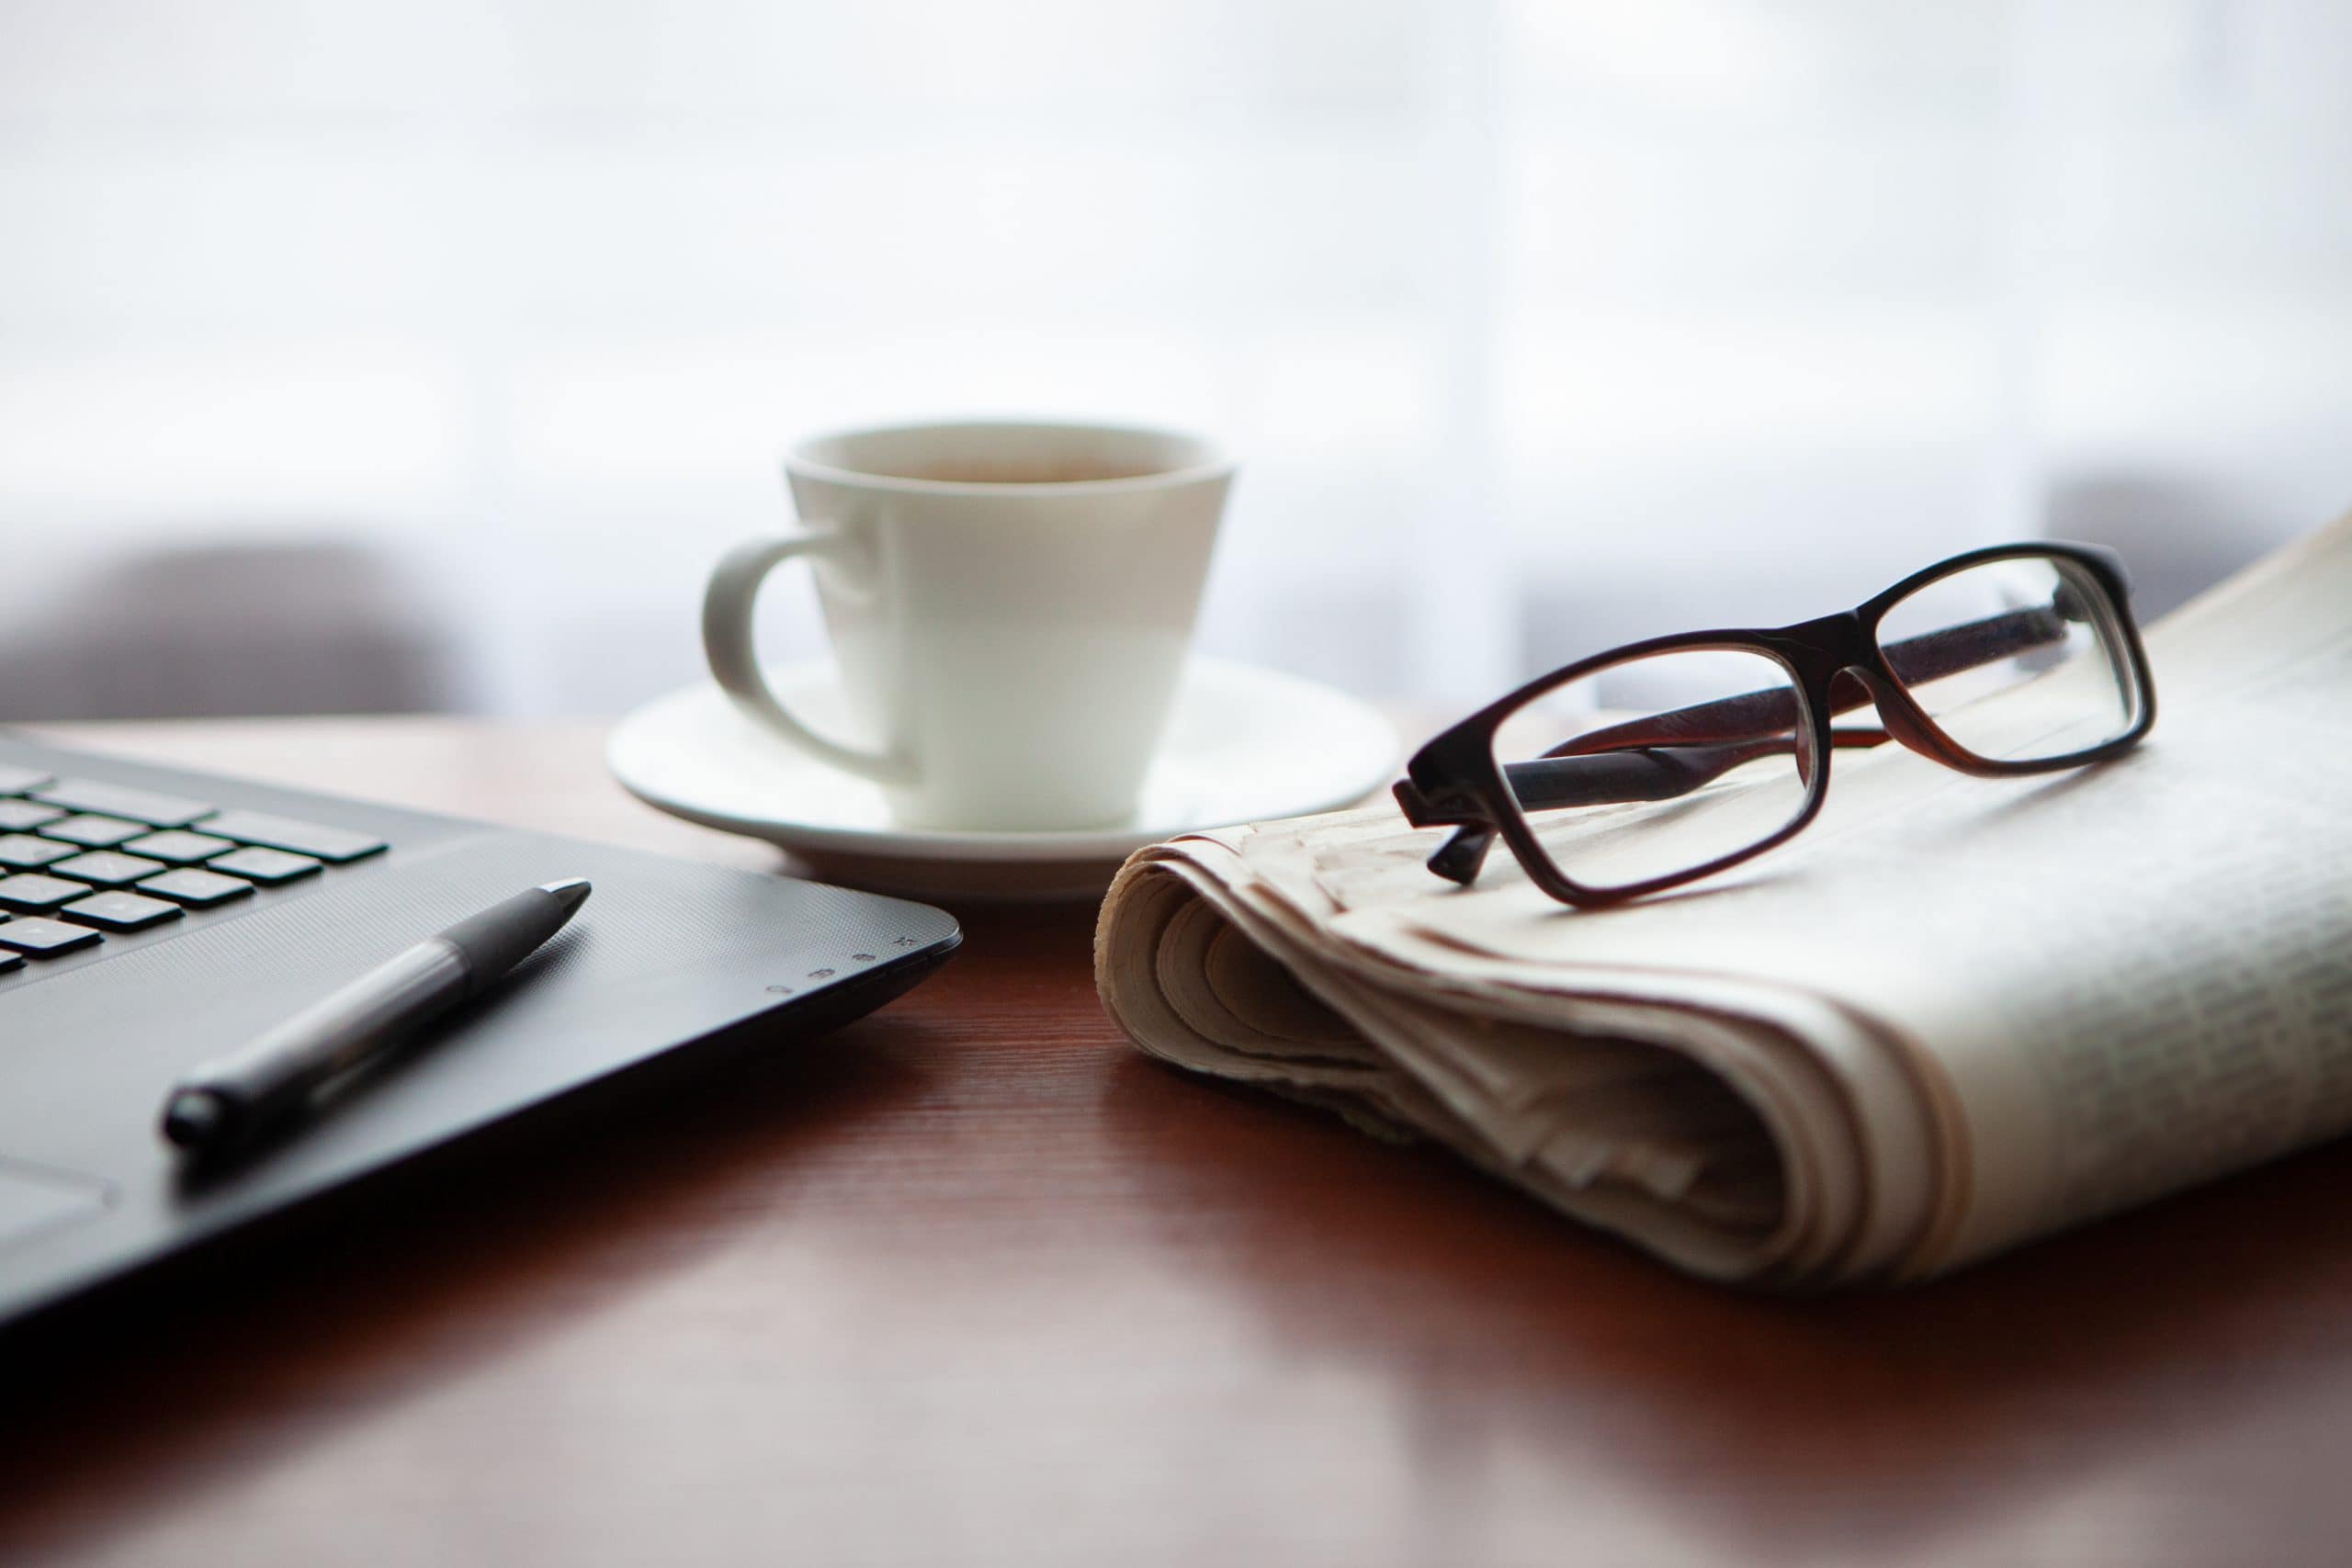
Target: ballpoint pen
x=224, y=1100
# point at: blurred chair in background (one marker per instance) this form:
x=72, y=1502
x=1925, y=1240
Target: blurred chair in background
x=241, y=629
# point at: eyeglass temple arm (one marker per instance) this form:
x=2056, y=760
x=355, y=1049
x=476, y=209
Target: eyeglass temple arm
x=1674, y=753
x=1918, y=659
x=1653, y=773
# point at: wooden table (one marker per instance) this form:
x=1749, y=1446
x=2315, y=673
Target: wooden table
x=971, y=1281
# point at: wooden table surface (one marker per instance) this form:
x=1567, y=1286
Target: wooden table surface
x=972, y=1282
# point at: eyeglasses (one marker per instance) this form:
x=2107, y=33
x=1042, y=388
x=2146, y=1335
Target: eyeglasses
x=2010, y=660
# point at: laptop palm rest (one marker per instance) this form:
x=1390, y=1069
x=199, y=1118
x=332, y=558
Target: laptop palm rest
x=37, y=1198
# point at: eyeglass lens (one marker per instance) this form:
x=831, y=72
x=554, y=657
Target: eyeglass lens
x=1653, y=792
x=2019, y=660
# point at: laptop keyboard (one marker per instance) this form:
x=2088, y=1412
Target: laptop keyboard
x=80, y=858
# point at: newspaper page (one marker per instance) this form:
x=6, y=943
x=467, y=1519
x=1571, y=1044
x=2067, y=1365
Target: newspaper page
x=1953, y=1014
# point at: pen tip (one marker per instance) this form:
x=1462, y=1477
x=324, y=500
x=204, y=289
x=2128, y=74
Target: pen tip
x=570, y=891
x=194, y=1118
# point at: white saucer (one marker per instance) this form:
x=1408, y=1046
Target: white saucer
x=1245, y=744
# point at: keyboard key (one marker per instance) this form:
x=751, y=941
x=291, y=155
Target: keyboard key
x=93, y=832
x=15, y=816
x=178, y=847
x=46, y=939
x=22, y=851
x=196, y=889
x=11, y=961
x=15, y=781
x=106, y=869
x=39, y=894
x=337, y=845
x=271, y=866
x=121, y=911
x=118, y=800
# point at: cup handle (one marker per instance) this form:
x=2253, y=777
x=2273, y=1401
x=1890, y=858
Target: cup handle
x=734, y=662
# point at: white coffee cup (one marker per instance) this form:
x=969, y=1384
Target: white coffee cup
x=1008, y=604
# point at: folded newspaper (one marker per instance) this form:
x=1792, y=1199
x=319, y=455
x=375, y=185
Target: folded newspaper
x=1953, y=1014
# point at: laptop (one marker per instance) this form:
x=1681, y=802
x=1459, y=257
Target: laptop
x=156, y=918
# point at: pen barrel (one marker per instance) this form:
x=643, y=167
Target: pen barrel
x=337, y=1033
x=224, y=1099
x=509, y=931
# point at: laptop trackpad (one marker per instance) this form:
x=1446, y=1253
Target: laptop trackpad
x=35, y=1198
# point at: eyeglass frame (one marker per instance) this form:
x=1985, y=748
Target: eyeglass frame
x=1456, y=780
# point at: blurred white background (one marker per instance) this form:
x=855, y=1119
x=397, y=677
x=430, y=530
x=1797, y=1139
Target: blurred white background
x=379, y=355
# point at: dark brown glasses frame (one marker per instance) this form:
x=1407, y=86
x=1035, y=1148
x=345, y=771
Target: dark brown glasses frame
x=1834, y=664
